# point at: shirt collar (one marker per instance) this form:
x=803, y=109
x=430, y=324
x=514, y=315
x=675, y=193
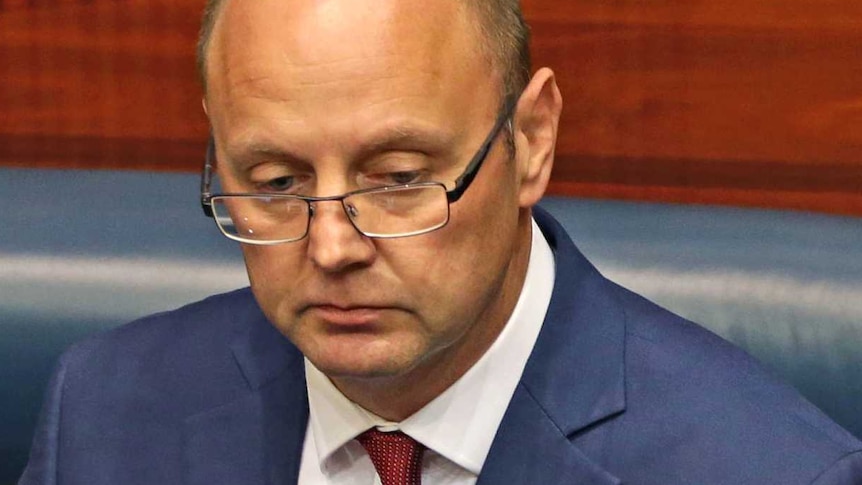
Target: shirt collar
x=459, y=424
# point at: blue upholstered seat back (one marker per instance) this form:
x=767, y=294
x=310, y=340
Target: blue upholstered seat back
x=82, y=251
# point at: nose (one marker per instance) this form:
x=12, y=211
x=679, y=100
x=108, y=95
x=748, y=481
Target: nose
x=334, y=245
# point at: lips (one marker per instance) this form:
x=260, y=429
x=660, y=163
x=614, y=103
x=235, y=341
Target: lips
x=346, y=316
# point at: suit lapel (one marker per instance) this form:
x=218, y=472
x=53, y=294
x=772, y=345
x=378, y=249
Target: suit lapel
x=574, y=378
x=257, y=438
x=529, y=449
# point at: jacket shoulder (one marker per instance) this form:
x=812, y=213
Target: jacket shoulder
x=212, y=319
x=696, y=398
x=159, y=358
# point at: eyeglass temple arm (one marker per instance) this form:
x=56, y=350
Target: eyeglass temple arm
x=464, y=180
x=206, y=179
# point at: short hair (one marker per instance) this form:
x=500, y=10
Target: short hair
x=502, y=27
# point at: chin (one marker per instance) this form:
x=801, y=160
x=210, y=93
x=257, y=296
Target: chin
x=356, y=361
x=360, y=370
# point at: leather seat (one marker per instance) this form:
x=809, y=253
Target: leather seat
x=83, y=251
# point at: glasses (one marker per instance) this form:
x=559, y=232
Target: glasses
x=379, y=212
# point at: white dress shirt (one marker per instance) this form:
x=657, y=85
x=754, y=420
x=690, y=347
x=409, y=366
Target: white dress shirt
x=458, y=426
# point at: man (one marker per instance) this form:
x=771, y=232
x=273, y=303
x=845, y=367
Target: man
x=380, y=161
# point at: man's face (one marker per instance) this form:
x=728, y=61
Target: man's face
x=321, y=98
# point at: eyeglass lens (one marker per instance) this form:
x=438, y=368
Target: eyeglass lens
x=389, y=212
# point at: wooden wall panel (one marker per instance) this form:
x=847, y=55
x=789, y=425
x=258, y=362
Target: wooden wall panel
x=734, y=102
x=101, y=83
x=751, y=103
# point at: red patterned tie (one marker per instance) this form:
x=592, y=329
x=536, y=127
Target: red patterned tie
x=396, y=456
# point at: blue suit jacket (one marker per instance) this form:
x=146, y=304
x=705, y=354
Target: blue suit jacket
x=617, y=390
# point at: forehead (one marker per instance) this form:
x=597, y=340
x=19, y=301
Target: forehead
x=337, y=56
x=317, y=30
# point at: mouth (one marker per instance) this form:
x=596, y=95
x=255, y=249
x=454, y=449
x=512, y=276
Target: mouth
x=349, y=316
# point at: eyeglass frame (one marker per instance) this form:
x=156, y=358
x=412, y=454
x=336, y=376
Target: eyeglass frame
x=462, y=183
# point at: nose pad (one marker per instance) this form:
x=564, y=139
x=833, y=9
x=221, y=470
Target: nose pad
x=335, y=244
x=349, y=209
x=352, y=211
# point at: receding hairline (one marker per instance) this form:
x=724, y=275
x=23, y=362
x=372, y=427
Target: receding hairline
x=504, y=37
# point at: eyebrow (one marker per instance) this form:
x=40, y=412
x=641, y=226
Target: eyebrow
x=243, y=153
x=406, y=136
x=261, y=148
x=395, y=136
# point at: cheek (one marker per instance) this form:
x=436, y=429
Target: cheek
x=471, y=254
x=454, y=271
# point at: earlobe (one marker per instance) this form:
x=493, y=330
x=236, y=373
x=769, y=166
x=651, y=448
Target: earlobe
x=536, y=124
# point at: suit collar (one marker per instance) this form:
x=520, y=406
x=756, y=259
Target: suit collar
x=574, y=378
x=577, y=368
x=262, y=352
x=257, y=438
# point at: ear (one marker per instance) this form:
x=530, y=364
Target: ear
x=535, y=131
x=204, y=104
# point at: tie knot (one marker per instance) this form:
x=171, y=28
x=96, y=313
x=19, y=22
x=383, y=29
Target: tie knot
x=396, y=456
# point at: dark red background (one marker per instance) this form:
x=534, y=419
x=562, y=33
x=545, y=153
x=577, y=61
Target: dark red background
x=698, y=101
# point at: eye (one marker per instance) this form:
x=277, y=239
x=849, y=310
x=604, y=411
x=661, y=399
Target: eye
x=408, y=177
x=279, y=184
x=396, y=178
